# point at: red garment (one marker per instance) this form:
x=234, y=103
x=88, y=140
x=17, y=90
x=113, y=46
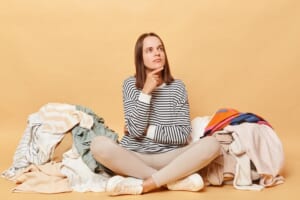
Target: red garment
x=220, y=119
x=226, y=116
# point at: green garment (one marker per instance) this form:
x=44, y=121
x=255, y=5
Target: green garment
x=82, y=138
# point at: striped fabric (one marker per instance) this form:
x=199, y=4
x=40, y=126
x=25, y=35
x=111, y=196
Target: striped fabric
x=60, y=118
x=57, y=119
x=44, y=130
x=166, y=117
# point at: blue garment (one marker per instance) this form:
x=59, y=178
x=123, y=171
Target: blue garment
x=245, y=117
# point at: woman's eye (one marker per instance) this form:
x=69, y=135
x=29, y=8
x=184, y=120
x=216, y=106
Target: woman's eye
x=149, y=50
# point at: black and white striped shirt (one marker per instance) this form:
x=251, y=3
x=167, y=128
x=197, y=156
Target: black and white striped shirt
x=164, y=114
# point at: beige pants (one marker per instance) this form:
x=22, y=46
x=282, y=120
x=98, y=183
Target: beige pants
x=163, y=167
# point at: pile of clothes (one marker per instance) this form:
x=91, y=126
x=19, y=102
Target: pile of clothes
x=53, y=155
x=253, y=156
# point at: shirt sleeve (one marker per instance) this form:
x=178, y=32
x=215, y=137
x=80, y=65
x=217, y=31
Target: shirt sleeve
x=136, y=108
x=179, y=127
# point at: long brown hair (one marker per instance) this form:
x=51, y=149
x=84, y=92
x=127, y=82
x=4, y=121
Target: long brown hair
x=140, y=69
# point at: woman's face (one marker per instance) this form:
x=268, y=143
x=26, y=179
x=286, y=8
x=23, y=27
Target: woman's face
x=153, y=53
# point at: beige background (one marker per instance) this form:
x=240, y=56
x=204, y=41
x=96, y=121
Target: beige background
x=239, y=54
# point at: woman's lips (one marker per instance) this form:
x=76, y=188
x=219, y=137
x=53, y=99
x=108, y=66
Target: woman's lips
x=157, y=60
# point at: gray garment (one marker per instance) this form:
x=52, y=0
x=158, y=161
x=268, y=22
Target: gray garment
x=165, y=167
x=82, y=138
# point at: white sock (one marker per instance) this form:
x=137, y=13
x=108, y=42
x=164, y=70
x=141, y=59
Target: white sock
x=112, y=182
x=192, y=182
x=119, y=185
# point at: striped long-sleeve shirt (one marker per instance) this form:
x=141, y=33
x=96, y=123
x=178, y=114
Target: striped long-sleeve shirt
x=158, y=122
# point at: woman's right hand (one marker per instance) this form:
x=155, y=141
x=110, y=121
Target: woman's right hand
x=153, y=80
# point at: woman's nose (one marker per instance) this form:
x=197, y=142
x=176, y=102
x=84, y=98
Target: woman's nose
x=157, y=52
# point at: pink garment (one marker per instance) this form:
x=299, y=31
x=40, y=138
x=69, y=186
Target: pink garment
x=264, y=148
x=45, y=178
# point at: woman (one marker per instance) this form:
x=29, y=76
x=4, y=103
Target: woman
x=154, y=151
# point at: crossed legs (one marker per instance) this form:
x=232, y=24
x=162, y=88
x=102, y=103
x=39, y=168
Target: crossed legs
x=155, y=170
